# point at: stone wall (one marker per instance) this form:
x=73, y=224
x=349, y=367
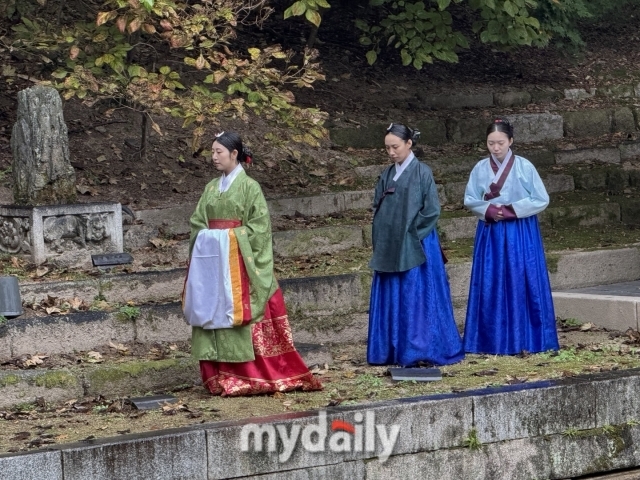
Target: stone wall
x=542, y=430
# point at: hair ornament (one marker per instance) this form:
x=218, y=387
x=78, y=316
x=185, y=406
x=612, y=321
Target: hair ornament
x=219, y=134
x=390, y=126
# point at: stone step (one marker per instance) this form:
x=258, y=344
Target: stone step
x=127, y=376
x=529, y=127
x=322, y=310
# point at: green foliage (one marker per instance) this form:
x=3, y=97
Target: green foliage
x=116, y=57
x=309, y=8
x=128, y=312
x=472, y=441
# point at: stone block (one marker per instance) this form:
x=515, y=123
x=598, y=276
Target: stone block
x=546, y=95
x=458, y=227
x=578, y=93
x=316, y=241
x=467, y=130
x=140, y=377
x=583, y=215
x=331, y=294
x=346, y=328
x=539, y=157
x=54, y=386
x=35, y=292
x=600, y=267
x=314, y=353
x=350, y=470
x=608, y=311
x=617, y=91
x=172, y=220
x=458, y=101
x=629, y=151
x=444, y=423
x=591, y=179
x=587, y=123
x=536, y=127
x=442, y=196
x=366, y=136
x=527, y=411
x=357, y=200
x=162, y=323
x=629, y=210
x=456, y=165
x=43, y=465
x=601, y=155
x=512, y=99
x=455, y=192
x=370, y=171
x=559, y=183
x=181, y=454
x=432, y=132
x=138, y=236
x=459, y=278
x=5, y=343
x=143, y=287
x=367, y=234
x=624, y=120
x=617, y=401
x=67, y=234
x=65, y=333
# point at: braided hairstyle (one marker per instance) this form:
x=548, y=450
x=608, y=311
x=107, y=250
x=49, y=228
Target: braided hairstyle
x=232, y=141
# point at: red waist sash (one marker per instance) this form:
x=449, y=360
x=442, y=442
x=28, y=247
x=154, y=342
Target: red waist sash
x=219, y=224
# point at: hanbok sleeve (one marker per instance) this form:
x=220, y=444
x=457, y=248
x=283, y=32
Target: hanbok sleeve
x=474, y=196
x=430, y=211
x=538, y=198
x=377, y=194
x=199, y=220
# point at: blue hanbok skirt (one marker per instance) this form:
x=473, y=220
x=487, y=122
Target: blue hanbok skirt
x=510, y=308
x=411, y=315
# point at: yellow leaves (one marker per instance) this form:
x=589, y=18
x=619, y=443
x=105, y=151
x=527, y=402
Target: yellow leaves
x=255, y=53
x=134, y=25
x=104, y=17
x=100, y=36
x=148, y=28
x=121, y=23
x=156, y=128
x=74, y=52
x=34, y=360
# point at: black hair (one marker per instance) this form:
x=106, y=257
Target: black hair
x=232, y=141
x=404, y=132
x=501, y=125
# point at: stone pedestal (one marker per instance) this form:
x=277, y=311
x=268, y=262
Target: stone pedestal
x=65, y=234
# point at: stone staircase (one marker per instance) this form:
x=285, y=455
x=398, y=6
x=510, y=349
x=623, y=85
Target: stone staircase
x=593, y=188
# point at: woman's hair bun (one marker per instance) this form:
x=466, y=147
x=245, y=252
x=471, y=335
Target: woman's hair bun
x=403, y=132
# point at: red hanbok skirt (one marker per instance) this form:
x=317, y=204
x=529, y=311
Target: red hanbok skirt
x=277, y=367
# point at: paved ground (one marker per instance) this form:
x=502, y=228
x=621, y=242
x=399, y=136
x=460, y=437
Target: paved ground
x=626, y=289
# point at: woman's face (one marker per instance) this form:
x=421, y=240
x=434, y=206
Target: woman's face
x=397, y=148
x=224, y=160
x=498, y=144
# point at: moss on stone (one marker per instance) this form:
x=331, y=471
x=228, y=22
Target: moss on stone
x=59, y=379
x=9, y=380
x=104, y=376
x=552, y=262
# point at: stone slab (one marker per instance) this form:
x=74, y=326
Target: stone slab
x=162, y=323
x=18, y=386
x=370, y=171
x=559, y=183
x=66, y=333
x=629, y=151
x=536, y=127
x=512, y=99
x=350, y=470
x=600, y=267
x=578, y=93
x=599, y=155
x=467, y=130
x=617, y=401
x=624, y=120
x=608, y=311
x=316, y=241
x=624, y=289
x=42, y=465
x=457, y=228
x=458, y=101
x=365, y=136
x=588, y=123
x=181, y=454
x=584, y=215
x=455, y=192
x=321, y=204
x=533, y=410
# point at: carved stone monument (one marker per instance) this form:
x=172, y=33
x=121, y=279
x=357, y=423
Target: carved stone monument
x=42, y=171
x=44, y=222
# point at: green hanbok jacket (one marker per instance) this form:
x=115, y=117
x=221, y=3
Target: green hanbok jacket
x=404, y=216
x=243, y=201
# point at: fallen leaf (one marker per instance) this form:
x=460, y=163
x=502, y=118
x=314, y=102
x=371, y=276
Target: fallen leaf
x=158, y=242
x=101, y=158
x=94, y=357
x=279, y=395
x=113, y=181
x=20, y=436
x=41, y=272
x=320, y=172
x=143, y=186
x=75, y=303
x=34, y=360
x=587, y=326
x=486, y=373
x=84, y=190
x=52, y=310
x=173, y=347
x=118, y=346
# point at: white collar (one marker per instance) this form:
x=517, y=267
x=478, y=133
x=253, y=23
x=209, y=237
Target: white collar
x=402, y=167
x=227, y=180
